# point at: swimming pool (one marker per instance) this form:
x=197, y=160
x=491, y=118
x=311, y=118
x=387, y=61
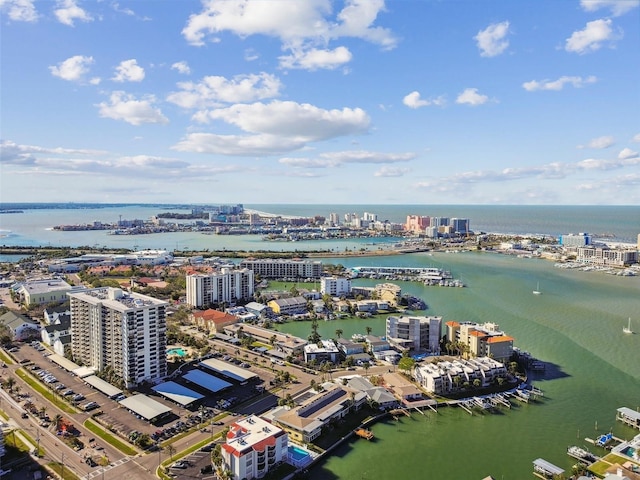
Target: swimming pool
x=298, y=456
x=176, y=351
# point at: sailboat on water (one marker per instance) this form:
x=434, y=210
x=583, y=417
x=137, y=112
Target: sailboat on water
x=537, y=290
x=627, y=329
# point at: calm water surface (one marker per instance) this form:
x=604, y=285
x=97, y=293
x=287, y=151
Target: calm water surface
x=575, y=326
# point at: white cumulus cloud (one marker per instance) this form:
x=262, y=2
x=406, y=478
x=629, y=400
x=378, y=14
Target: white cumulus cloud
x=73, y=68
x=414, y=100
x=69, y=11
x=492, y=40
x=390, y=172
x=591, y=37
x=128, y=71
x=627, y=153
x=305, y=28
x=604, y=141
x=181, y=67
x=470, y=96
x=213, y=91
x=122, y=106
x=276, y=127
x=315, y=59
x=19, y=10
x=558, y=84
x=617, y=7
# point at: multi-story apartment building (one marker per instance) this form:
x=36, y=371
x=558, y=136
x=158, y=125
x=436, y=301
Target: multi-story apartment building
x=226, y=286
x=282, y=268
x=253, y=446
x=460, y=226
x=420, y=334
x=335, y=286
x=607, y=256
x=416, y=223
x=573, y=240
x=123, y=331
x=482, y=340
x=323, y=351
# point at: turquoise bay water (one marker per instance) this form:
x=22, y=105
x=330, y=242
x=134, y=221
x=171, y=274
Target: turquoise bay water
x=575, y=326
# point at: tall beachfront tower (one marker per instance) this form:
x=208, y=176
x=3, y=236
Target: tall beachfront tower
x=125, y=332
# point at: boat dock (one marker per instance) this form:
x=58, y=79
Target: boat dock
x=582, y=455
x=364, y=433
x=400, y=411
x=628, y=416
x=546, y=470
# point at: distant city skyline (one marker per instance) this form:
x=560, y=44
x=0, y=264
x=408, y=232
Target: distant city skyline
x=331, y=102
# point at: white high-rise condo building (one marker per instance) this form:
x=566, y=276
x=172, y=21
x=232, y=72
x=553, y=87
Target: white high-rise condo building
x=125, y=332
x=225, y=286
x=283, y=268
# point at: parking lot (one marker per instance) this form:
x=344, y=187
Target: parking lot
x=33, y=356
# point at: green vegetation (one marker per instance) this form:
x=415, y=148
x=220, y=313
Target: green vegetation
x=45, y=392
x=109, y=438
x=62, y=472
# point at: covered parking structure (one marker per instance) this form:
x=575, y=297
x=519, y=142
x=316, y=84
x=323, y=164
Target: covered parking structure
x=65, y=363
x=177, y=393
x=145, y=407
x=228, y=370
x=206, y=381
x=105, y=387
x=82, y=372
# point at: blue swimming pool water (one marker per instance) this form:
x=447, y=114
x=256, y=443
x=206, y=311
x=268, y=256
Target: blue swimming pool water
x=176, y=351
x=297, y=454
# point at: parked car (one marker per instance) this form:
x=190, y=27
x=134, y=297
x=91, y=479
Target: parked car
x=180, y=464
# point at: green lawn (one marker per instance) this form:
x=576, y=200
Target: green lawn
x=45, y=392
x=109, y=438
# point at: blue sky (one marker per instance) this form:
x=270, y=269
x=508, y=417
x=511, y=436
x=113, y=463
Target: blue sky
x=316, y=101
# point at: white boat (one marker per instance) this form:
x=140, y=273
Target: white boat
x=627, y=329
x=537, y=290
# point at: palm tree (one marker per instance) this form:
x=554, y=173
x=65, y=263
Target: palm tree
x=9, y=383
x=57, y=420
x=368, y=330
x=43, y=411
x=171, y=450
x=339, y=332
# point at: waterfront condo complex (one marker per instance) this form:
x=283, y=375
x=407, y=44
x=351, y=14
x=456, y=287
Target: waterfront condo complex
x=418, y=334
x=226, y=286
x=279, y=268
x=123, y=331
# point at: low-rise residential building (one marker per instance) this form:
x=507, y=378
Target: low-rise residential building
x=323, y=351
x=376, y=344
x=347, y=347
x=254, y=446
x=288, y=306
x=19, y=326
x=40, y=292
x=420, y=334
x=53, y=315
x=51, y=333
x=213, y=321
x=260, y=310
x=380, y=395
x=284, y=342
x=389, y=293
x=304, y=423
x=445, y=377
